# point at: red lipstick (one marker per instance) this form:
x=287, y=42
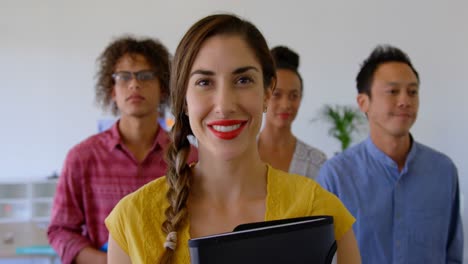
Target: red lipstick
x=284, y=115
x=227, y=129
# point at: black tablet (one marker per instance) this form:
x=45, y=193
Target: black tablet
x=295, y=240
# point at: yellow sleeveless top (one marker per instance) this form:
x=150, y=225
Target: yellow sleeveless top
x=135, y=223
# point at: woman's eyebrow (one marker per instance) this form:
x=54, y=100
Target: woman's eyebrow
x=236, y=71
x=202, y=72
x=245, y=69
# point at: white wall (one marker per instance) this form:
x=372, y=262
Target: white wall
x=48, y=50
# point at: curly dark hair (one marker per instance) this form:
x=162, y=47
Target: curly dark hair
x=380, y=55
x=154, y=52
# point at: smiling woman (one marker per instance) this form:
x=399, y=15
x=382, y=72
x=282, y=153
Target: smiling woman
x=277, y=144
x=223, y=75
x=226, y=100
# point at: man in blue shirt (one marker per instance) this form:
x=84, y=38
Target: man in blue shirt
x=403, y=194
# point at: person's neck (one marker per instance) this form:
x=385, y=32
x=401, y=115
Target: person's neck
x=397, y=148
x=228, y=181
x=138, y=133
x=276, y=137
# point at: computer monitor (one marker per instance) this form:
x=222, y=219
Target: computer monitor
x=293, y=241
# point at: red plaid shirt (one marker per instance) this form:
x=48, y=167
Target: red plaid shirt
x=97, y=173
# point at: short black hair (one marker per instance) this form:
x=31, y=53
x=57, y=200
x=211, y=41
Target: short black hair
x=287, y=59
x=380, y=55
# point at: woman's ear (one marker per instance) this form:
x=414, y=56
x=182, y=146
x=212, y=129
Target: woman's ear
x=268, y=93
x=185, y=108
x=269, y=90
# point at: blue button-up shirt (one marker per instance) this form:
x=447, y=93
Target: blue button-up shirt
x=407, y=216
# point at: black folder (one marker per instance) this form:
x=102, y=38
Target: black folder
x=294, y=241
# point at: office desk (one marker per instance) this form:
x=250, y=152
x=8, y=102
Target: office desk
x=24, y=235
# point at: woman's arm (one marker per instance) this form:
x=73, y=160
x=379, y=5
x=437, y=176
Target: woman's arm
x=115, y=254
x=90, y=255
x=348, y=250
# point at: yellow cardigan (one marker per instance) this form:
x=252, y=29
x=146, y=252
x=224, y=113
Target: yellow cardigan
x=135, y=223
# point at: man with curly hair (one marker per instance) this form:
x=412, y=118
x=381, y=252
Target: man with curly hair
x=132, y=82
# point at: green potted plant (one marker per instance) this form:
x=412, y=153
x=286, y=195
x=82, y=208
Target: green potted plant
x=345, y=121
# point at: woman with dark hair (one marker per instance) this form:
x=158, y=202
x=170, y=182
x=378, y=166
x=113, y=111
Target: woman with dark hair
x=221, y=81
x=277, y=144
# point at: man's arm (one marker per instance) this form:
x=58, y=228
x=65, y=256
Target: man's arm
x=455, y=238
x=67, y=218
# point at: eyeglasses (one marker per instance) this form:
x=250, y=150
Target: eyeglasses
x=124, y=77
